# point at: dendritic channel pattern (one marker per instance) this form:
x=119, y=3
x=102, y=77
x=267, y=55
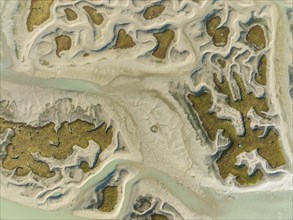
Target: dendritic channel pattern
x=263, y=139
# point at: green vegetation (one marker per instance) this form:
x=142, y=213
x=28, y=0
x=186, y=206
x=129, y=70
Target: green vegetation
x=49, y=143
x=110, y=199
x=70, y=14
x=153, y=11
x=63, y=43
x=256, y=37
x=39, y=13
x=164, y=39
x=219, y=35
x=96, y=18
x=124, y=41
x=268, y=147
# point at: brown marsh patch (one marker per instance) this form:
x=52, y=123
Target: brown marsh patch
x=63, y=43
x=268, y=147
x=164, y=39
x=124, y=41
x=261, y=76
x=256, y=37
x=222, y=63
x=85, y=166
x=70, y=14
x=219, y=35
x=39, y=13
x=247, y=101
x=96, y=18
x=153, y=11
x=110, y=199
x=158, y=217
x=49, y=143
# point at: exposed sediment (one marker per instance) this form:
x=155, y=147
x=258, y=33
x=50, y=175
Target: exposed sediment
x=199, y=84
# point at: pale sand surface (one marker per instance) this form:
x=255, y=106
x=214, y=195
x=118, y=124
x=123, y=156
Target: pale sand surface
x=137, y=92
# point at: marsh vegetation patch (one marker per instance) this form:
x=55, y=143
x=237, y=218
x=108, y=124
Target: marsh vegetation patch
x=124, y=41
x=96, y=18
x=268, y=147
x=219, y=34
x=153, y=11
x=63, y=43
x=70, y=14
x=261, y=76
x=256, y=37
x=39, y=13
x=110, y=199
x=222, y=63
x=49, y=143
x=156, y=216
x=261, y=138
x=164, y=39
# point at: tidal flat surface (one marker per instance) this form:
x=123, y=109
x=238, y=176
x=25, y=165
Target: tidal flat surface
x=190, y=97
